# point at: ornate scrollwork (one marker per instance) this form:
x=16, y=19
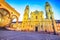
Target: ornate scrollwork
x=5, y=18
x=4, y=12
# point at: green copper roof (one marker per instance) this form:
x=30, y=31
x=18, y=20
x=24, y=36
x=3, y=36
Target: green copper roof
x=36, y=11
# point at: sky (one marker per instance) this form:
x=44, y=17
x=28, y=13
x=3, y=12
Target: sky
x=39, y=5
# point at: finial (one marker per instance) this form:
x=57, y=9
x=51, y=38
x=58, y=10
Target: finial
x=27, y=7
x=47, y=4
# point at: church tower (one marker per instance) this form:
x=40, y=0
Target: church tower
x=26, y=13
x=49, y=15
x=48, y=9
x=25, y=18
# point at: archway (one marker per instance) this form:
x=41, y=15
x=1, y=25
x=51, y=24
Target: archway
x=4, y=12
x=36, y=28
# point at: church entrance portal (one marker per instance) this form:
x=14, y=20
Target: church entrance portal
x=36, y=29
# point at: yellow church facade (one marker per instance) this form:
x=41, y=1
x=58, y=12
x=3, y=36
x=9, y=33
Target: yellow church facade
x=36, y=21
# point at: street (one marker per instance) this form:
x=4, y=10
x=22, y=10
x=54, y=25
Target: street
x=17, y=35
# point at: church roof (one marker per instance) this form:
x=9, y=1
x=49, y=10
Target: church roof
x=36, y=11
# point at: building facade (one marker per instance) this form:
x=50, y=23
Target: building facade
x=37, y=22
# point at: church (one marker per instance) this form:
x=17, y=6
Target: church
x=36, y=21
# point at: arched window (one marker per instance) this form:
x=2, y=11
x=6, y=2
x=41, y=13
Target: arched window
x=36, y=17
x=0, y=4
x=1, y=15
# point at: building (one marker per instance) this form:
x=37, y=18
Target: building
x=7, y=14
x=36, y=21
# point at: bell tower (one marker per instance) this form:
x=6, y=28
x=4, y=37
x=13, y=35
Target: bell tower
x=48, y=9
x=26, y=13
x=49, y=15
x=25, y=18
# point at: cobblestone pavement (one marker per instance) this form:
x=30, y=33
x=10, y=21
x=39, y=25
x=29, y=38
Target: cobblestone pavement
x=17, y=35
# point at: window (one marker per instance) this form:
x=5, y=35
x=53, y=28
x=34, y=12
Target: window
x=50, y=17
x=0, y=4
x=49, y=10
x=31, y=26
x=23, y=26
x=42, y=26
x=1, y=15
x=36, y=17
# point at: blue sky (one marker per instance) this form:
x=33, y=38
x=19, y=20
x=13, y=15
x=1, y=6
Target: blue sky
x=39, y=5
